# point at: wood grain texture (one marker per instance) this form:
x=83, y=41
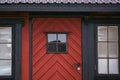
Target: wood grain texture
x=56, y=66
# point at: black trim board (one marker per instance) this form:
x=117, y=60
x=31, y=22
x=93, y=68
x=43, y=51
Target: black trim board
x=11, y=21
x=88, y=15
x=89, y=46
x=60, y=7
x=30, y=48
x=18, y=45
x=88, y=50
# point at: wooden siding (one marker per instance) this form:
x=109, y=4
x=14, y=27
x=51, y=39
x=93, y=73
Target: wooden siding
x=56, y=66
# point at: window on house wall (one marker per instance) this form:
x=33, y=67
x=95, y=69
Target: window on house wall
x=108, y=49
x=56, y=42
x=6, y=51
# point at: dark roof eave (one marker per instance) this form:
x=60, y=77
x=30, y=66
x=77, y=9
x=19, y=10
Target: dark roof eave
x=60, y=1
x=60, y=7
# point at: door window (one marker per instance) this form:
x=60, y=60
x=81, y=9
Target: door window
x=56, y=42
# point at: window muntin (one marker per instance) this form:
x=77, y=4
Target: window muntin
x=5, y=51
x=56, y=42
x=108, y=50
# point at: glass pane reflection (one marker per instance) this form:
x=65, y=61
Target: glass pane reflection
x=102, y=33
x=5, y=51
x=113, y=33
x=56, y=42
x=102, y=49
x=5, y=67
x=113, y=66
x=102, y=66
x=5, y=34
x=51, y=37
x=62, y=37
x=113, y=49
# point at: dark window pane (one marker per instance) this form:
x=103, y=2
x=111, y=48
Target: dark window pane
x=52, y=42
x=52, y=47
x=56, y=42
x=62, y=47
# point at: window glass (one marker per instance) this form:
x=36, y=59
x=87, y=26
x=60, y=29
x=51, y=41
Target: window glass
x=62, y=42
x=113, y=33
x=113, y=49
x=113, y=66
x=102, y=33
x=102, y=66
x=62, y=37
x=108, y=50
x=52, y=37
x=5, y=67
x=102, y=49
x=5, y=51
x=56, y=42
x=5, y=34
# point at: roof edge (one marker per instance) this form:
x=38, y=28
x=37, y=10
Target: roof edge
x=60, y=1
x=60, y=7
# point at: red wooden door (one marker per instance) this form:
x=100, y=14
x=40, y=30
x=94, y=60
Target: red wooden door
x=56, y=66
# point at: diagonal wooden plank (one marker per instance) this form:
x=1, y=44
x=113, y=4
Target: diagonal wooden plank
x=69, y=67
x=59, y=68
x=65, y=73
x=36, y=56
x=62, y=64
x=52, y=70
x=61, y=76
x=57, y=76
x=38, y=50
x=41, y=23
x=38, y=39
x=73, y=50
x=42, y=71
x=41, y=62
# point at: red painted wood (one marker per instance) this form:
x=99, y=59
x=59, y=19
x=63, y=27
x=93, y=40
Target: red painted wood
x=25, y=51
x=56, y=66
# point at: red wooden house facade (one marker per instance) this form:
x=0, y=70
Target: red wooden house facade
x=59, y=39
